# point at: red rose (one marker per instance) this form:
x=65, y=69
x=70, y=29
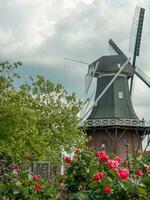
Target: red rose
x=113, y=164
x=37, y=187
x=139, y=172
x=100, y=153
x=68, y=160
x=104, y=158
x=98, y=176
x=58, y=198
x=102, y=175
x=117, y=159
x=107, y=189
x=123, y=173
x=35, y=177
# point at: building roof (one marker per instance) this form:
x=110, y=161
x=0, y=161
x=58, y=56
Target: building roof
x=110, y=64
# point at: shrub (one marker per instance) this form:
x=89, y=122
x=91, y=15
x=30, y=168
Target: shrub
x=94, y=175
x=17, y=183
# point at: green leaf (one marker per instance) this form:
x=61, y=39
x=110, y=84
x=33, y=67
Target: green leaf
x=16, y=192
x=92, y=170
x=126, y=184
x=83, y=195
x=24, y=174
x=60, y=177
x=106, y=181
x=146, y=181
x=141, y=191
x=94, y=185
x=113, y=172
x=70, y=169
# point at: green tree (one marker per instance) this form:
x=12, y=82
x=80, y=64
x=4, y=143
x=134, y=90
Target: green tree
x=36, y=120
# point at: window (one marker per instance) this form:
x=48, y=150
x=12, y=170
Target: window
x=120, y=95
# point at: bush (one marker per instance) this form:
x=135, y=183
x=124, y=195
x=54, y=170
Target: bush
x=89, y=175
x=92, y=175
x=17, y=183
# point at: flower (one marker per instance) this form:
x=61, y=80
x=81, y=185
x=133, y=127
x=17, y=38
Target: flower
x=35, y=177
x=146, y=168
x=96, y=177
x=77, y=150
x=117, y=158
x=102, y=175
x=139, y=172
x=99, y=176
x=113, y=164
x=37, y=187
x=103, y=157
x=123, y=173
x=68, y=160
x=58, y=198
x=100, y=153
x=107, y=189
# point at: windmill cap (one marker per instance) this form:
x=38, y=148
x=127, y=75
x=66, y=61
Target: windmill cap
x=110, y=64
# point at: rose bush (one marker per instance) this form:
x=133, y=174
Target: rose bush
x=87, y=177
x=96, y=176
x=17, y=183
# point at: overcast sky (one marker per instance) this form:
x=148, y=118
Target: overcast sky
x=41, y=33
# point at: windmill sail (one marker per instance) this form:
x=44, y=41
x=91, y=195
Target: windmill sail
x=145, y=78
x=136, y=34
x=116, y=48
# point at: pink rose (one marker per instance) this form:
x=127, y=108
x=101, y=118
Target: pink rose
x=113, y=164
x=103, y=157
x=139, y=172
x=117, y=159
x=100, y=153
x=35, y=177
x=123, y=173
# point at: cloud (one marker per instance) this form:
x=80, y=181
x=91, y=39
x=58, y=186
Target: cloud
x=42, y=33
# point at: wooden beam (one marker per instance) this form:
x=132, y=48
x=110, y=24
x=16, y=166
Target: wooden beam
x=139, y=139
x=109, y=134
x=122, y=134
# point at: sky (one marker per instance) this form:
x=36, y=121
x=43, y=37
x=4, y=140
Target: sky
x=41, y=33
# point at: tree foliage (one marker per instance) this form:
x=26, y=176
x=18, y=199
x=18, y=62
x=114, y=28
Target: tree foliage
x=36, y=120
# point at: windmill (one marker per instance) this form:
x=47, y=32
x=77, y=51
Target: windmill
x=111, y=119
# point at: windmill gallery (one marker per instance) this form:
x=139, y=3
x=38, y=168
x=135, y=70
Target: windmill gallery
x=111, y=120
